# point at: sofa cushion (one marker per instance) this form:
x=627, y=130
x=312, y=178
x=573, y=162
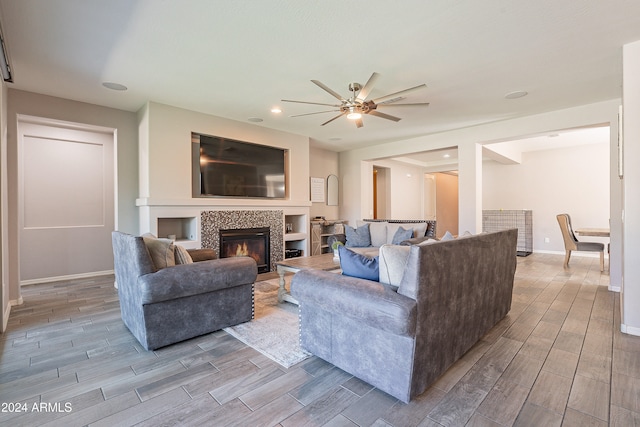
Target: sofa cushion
x=357, y=265
x=357, y=237
x=161, y=250
x=377, y=231
x=393, y=262
x=401, y=235
x=182, y=256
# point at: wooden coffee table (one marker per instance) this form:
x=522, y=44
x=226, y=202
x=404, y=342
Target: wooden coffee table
x=324, y=262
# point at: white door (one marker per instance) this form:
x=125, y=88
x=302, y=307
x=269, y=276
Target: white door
x=66, y=199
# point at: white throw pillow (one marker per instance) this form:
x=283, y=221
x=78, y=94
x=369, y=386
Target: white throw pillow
x=393, y=262
x=378, y=232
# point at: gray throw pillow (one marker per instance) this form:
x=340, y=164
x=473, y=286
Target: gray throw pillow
x=401, y=235
x=357, y=237
x=447, y=236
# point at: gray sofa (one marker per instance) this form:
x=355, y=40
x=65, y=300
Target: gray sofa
x=450, y=294
x=381, y=231
x=172, y=304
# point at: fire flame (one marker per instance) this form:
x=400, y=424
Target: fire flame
x=242, y=250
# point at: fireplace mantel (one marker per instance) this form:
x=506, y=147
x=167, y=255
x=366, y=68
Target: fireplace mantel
x=189, y=222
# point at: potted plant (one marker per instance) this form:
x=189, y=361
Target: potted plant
x=335, y=245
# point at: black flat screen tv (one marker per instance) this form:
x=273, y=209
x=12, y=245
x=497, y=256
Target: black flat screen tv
x=224, y=167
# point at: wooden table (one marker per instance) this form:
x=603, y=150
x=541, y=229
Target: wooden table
x=324, y=262
x=595, y=232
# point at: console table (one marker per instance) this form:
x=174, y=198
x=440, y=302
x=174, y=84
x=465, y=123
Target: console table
x=320, y=230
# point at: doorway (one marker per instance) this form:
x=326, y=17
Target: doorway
x=441, y=201
x=381, y=188
x=66, y=199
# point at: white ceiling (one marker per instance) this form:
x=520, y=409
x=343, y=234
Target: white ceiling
x=238, y=59
x=447, y=159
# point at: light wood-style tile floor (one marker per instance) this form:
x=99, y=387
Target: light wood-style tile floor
x=558, y=358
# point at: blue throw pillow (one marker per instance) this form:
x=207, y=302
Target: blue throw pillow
x=358, y=237
x=401, y=235
x=357, y=265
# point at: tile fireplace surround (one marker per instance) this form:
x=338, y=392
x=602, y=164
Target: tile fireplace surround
x=212, y=221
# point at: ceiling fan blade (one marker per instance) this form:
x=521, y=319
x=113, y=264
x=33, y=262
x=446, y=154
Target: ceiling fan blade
x=335, y=94
x=364, y=92
x=419, y=104
x=317, y=112
x=359, y=123
x=312, y=103
x=329, y=121
x=383, y=115
x=397, y=94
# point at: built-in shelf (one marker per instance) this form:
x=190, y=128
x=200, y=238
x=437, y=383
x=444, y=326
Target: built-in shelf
x=297, y=238
x=183, y=229
x=288, y=237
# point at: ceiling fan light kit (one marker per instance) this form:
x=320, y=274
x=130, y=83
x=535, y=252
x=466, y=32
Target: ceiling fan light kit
x=357, y=104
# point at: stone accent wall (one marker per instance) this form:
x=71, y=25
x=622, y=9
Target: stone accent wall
x=212, y=221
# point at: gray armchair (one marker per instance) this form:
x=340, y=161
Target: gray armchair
x=162, y=307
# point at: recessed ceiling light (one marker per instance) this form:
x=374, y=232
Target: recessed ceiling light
x=446, y=156
x=255, y=119
x=114, y=86
x=276, y=110
x=516, y=94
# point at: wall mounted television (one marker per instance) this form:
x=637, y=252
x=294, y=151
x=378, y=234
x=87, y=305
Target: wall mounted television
x=224, y=167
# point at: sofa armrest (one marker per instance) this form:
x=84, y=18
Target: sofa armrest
x=372, y=303
x=197, y=278
x=203, y=254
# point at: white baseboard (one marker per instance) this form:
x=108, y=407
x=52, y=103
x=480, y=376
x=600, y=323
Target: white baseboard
x=5, y=317
x=573, y=253
x=631, y=330
x=69, y=277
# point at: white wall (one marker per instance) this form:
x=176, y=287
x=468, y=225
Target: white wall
x=405, y=190
x=323, y=163
x=5, y=306
x=630, y=300
x=353, y=163
x=125, y=123
x=571, y=180
x=166, y=154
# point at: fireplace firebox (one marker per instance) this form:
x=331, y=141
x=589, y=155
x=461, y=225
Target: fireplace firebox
x=252, y=242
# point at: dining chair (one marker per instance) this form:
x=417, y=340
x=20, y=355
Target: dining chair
x=571, y=243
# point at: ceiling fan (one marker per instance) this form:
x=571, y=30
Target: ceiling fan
x=357, y=105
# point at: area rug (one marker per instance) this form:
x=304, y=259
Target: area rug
x=274, y=330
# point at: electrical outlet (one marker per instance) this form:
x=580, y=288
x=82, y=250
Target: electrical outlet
x=546, y=240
